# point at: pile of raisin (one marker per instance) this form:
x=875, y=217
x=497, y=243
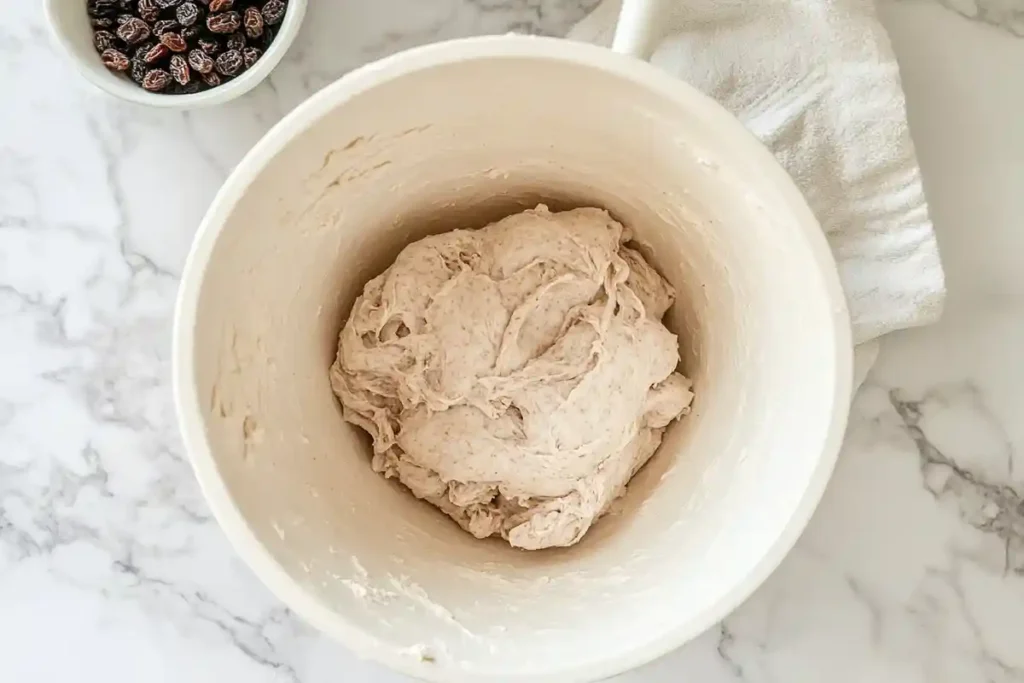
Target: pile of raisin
x=181, y=47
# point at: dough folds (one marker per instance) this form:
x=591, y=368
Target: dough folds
x=516, y=376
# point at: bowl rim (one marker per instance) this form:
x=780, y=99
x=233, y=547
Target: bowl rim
x=98, y=75
x=188, y=404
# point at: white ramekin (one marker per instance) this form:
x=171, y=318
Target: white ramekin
x=69, y=24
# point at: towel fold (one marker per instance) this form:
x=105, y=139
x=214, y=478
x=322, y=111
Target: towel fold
x=817, y=82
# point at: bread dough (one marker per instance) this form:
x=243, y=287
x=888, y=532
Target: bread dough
x=515, y=376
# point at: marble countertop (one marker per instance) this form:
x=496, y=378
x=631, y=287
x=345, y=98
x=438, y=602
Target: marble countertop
x=112, y=570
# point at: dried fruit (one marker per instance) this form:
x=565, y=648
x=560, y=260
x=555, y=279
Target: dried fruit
x=101, y=8
x=200, y=61
x=228, y=22
x=269, y=33
x=156, y=80
x=115, y=59
x=133, y=31
x=187, y=13
x=211, y=79
x=236, y=41
x=174, y=41
x=229, y=63
x=163, y=26
x=210, y=47
x=179, y=70
x=183, y=46
x=148, y=10
x=138, y=71
x=251, y=55
x=252, y=19
x=142, y=48
x=154, y=54
x=273, y=11
x=104, y=40
x=191, y=87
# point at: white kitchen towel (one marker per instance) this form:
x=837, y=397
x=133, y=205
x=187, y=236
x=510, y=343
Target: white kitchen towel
x=817, y=82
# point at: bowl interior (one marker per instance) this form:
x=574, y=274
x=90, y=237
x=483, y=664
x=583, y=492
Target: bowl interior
x=439, y=142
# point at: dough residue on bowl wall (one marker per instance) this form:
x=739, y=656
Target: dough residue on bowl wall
x=516, y=376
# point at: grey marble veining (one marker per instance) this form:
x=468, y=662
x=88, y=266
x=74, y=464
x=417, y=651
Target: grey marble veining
x=1004, y=14
x=112, y=569
x=985, y=494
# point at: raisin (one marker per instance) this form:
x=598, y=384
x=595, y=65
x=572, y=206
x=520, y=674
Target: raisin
x=115, y=60
x=273, y=11
x=133, y=31
x=269, y=33
x=200, y=61
x=250, y=56
x=179, y=70
x=148, y=10
x=221, y=5
x=229, y=63
x=210, y=47
x=167, y=4
x=252, y=19
x=211, y=79
x=163, y=26
x=104, y=40
x=190, y=33
x=174, y=41
x=156, y=80
x=138, y=71
x=187, y=13
x=228, y=22
x=236, y=41
x=101, y=22
x=190, y=88
x=156, y=53
x=101, y=8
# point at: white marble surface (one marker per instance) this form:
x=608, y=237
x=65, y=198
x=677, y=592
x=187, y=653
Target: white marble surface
x=111, y=569
x=1005, y=14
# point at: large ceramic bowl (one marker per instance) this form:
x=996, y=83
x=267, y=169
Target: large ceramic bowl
x=456, y=135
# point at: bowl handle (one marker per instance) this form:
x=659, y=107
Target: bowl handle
x=633, y=32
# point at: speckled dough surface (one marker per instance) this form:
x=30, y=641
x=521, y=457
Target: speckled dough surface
x=515, y=376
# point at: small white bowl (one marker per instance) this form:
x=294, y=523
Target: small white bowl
x=69, y=24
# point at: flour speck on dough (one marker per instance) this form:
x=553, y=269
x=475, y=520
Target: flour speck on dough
x=515, y=376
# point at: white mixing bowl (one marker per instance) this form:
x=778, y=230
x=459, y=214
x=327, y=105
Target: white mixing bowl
x=456, y=135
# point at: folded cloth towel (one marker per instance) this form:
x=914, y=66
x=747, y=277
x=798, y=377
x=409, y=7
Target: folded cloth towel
x=816, y=81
